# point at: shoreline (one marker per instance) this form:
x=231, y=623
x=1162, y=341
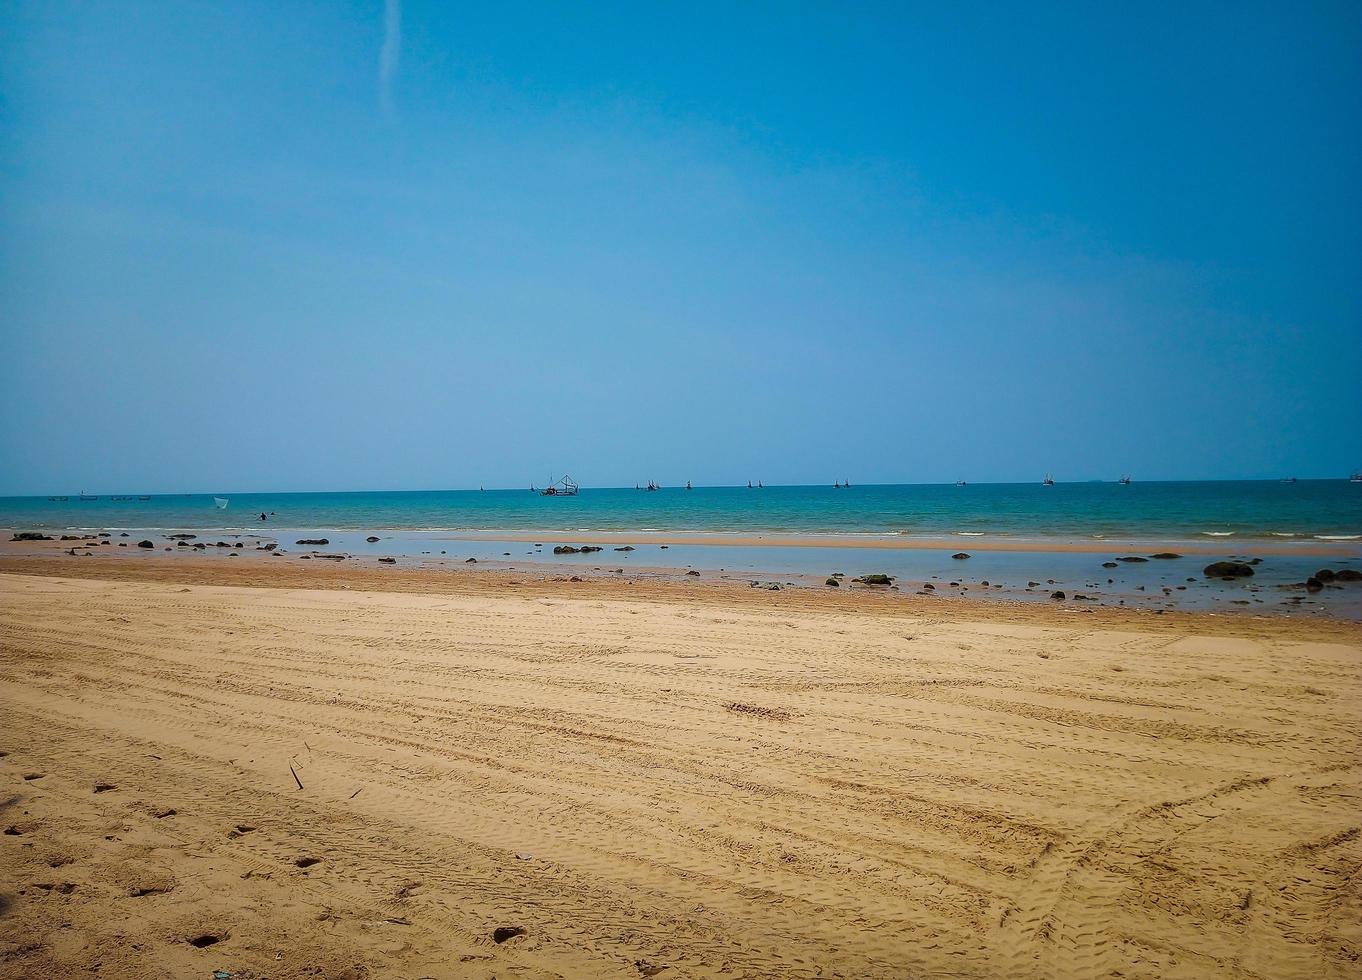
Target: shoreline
x=1058, y=544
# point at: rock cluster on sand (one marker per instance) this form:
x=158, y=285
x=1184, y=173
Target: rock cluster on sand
x=875, y=578
x=146, y=544
x=314, y=541
x=31, y=536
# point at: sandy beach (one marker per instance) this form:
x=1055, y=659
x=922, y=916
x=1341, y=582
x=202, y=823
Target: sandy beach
x=349, y=772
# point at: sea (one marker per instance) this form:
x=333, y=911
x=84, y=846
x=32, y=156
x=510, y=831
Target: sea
x=1013, y=541
x=1272, y=510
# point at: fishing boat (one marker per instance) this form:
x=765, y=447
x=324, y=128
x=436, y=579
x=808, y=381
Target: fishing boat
x=1288, y=479
x=1124, y=480
x=1355, y=478
x=961, y=483
x=688, y=485
x=145, y=496
x=88, y=496
x=562, y=488
x=220, y=503
x=1049, y=480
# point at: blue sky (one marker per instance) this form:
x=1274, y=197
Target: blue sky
x=285, y=246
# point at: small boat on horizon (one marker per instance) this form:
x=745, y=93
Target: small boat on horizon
x=652, y=485
x=1124, y=480
x=961, y=483
x=688, y=485
x=1355, y=478
x=221, y=502
x=88, y=496
x=562, y=488
x=1288, y=479
x=1049, y=480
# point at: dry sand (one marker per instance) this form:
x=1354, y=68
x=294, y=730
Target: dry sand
x=695, y=780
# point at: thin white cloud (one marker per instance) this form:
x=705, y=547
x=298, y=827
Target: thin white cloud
x=391, y=53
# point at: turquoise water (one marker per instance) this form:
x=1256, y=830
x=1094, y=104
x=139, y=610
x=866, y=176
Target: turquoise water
x=1153, y=511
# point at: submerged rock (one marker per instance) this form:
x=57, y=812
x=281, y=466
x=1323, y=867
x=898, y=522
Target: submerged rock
x=960, y=556
x=310, y=541
x=1108, y=564
x=1165, y=555
x=875, y=578
x=1313, y=584
x=372, y=538
x=388, y=561
x=1325, y=575
x=1348, y=575
x=1132, y=558
x=565, y=549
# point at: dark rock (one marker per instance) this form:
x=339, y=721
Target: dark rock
x=1108, y=564
x=574, y=579
x=182, y=537
x=587, y=549
x=1348, y=575
x=372, y=538
x=627, y=547
x=960, y=556
x=388, y=561
x=146, y=544
x=183, y=544
x=1057, y=595
x=834, y=583
x=124, y=534
x=502, y=933
x=1255, y=561
x=692, y=572
x=31, y=536
x=311, y=541
x=200, y=545
x=1132, y=558
x=565, y=549
x=470, y=561
x=929, y=586
x=875, y=578
x=1032, y=585
x=1325, y=575
x=1313, y=584
x=1165, y=556
x=71, y=537
x=1227, y=569
x=271, y=546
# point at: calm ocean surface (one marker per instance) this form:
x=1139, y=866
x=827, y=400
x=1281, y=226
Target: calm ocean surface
x=1155, y=511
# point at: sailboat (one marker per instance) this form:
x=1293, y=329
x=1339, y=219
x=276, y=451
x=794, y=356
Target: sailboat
x=1049, y=480
x=652, y=485
x=749, y=484
x=687, y=484
x=1124, y=480
x=221, y=502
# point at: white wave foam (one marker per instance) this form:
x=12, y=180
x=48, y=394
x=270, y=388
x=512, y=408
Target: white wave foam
x=971, y=534
x=1218, y=534
x=1338, y=537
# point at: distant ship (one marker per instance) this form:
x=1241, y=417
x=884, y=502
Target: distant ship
x=1125, y=480
x=1355, y=478
x=961, y=483
x=1049, y=480
x=1288, y=479
x=563, y=488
